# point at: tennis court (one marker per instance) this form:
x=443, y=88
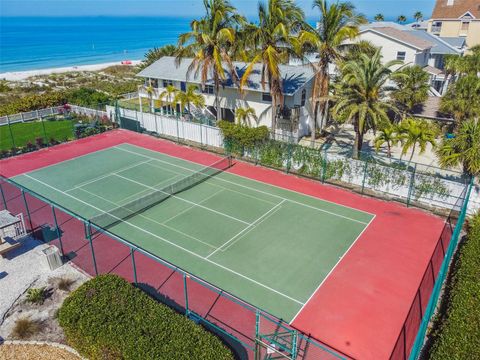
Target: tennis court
x=269, y=246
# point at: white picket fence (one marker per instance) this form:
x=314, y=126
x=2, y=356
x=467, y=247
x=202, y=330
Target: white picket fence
x=174, y=127
x=56, y=110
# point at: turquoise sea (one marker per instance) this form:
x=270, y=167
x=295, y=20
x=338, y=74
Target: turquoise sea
x=28, y=43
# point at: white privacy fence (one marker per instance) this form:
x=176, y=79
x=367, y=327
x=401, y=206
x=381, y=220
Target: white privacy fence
x=173, y=127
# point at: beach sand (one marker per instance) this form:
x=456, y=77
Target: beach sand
x=22, y=75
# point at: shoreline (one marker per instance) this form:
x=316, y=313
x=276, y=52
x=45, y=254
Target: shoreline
x=25, y=74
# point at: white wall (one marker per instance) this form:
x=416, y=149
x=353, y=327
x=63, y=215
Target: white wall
x=391, y=47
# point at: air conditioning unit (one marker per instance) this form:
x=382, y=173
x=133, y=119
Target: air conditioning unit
x=53, y=257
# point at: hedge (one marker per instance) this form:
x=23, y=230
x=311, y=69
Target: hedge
x=108, y=318
x=458, y=333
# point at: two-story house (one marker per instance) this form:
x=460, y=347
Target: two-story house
x=457, y=18
x=294, y=114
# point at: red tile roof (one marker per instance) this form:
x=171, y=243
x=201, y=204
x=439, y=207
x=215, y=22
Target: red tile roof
x=455, y=11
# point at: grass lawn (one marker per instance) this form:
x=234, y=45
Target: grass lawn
x=133, y=104
x=24, y=133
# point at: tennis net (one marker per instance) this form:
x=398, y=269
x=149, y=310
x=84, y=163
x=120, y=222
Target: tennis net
x=155, y=197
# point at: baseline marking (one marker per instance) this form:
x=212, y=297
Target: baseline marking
x=176, y=245
x=331, y=270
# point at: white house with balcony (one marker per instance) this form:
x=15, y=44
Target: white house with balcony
x=294, y=114
x=414, y=47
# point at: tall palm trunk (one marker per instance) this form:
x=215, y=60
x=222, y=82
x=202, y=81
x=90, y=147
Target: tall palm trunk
x=358, y=144
x=217, y=99
x=321, y=103
x=413, y=152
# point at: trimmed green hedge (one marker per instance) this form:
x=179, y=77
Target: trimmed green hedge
x=108, y=318
x=458, y=334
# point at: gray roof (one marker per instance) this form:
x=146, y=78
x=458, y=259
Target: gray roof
x=457, y=42
x=440, y=46
x=401, y=35
x=294, y=77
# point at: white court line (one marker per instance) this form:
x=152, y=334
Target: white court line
x=247, y=228
x=175, y=245
x=108, y=174
x=152, y=220
x=146, y=191
x=191, y=207
x=244, y=177
x=331, y=270
x=185, y=200
x=264, y=192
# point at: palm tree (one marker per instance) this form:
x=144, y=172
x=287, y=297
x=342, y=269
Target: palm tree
x=188, y=98
x=362, y=96
x=463, y=149
x=379, y=17
x=155, y=54
x=150, y=90
x=169, y=95
x=209, y=40
x=388, y=135
x=271, y=41
x=418, y=16
x=243, y=115
x=338, y=22
x=415, y=132
x=412, y=86
x=462, y=99
x=402, y=19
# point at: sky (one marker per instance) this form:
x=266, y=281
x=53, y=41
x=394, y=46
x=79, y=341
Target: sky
x=189, y=8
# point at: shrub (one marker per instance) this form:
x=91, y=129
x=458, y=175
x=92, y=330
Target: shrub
x=39, y=142
x=25, y=328
x=457, y=335
x=87, y=97
x=64, y=284
x=107, y=317
x=36, y=295
x=32, y=102
x=241, y=137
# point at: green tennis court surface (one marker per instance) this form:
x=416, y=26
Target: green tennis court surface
x=266, y=245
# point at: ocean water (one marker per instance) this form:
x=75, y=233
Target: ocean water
x=28, y=43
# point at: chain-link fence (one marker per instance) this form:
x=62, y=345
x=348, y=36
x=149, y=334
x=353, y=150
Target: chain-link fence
x=98, y=251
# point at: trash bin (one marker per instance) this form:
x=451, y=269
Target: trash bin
x=53, y=257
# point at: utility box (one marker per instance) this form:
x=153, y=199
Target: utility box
x=53, y=257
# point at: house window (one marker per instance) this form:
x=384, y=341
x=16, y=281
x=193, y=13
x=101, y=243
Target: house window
x=436, y=26
x=266, y=97
x=209, y=89
x=401, y=55
x=167, y=83
x=465, y=25
x=304, y=97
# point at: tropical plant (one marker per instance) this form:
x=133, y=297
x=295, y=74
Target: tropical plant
x=418, y=16
x=361, y=95
x=402, y=19
x=243, y=115
x=150, y=90
x=415, y=132
x=167, y=96
x=155, y=54
x=87, y=97
x=412, y=86
x=379, y=17
x=188, y=98
x=271, y=41
x=210, y=40
x=36, y=295
x=387, y=135
x=462, y=99
x=338, y=22
x=463, y=149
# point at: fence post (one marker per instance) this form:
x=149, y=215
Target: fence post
x=155, y=117
x=289, y=157
x=44, y=131
x=3, y=197
x=88, y=232
x=11, y=133
x=324, y=165
x=201, y=135
x=411, y=187
x=185, y=290
x=59, y=234
x=27, y=210
x=294, y=345
x=364, y=174
x=134, y=267
x=178, y=134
